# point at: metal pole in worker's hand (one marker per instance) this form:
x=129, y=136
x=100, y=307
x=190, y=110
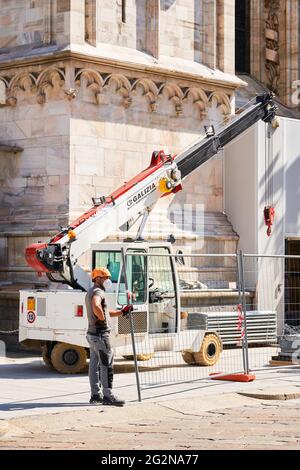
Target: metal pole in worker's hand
x=128, y=295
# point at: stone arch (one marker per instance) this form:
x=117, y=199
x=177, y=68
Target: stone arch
x=22, y=81
x=4, y=81
x=175, y=94
x=123, y=87
x=3, y=89
x=47, y=79
x=199, y=99
x=150, y=91
x=93, y=81
x=222, y=101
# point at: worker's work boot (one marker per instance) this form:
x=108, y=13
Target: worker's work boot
x=96, y=399
x=113, y=401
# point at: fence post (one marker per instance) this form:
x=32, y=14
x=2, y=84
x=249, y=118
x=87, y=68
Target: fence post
x=242, y=296
x=131, y=326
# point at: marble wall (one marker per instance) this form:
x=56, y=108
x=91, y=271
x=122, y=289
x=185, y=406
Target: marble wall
x=88, y=89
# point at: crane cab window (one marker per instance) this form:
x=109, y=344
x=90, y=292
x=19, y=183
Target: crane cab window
x=162, y=292
x=137, y=279
x=136, y=274
x=110, y=260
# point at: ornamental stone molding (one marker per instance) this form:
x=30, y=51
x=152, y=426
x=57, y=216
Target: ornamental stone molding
x=48, y=78
x=272, y=34
x=3, y=88
x=36, y=83
x=152, y=91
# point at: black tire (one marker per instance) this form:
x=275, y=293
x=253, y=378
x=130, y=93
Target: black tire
x=47, y=358
x=68, y=358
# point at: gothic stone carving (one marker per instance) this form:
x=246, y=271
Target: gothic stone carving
x=32, y=82
x=152, y=91
x=272, y=43
x=3, y=88
x=37, y=85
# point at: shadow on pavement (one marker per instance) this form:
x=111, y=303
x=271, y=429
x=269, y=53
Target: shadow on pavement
x=37, y=369
x=288, y=369
x=34, y=405
x=33, y=370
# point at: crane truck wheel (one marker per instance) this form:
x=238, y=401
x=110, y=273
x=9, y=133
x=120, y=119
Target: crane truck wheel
x=46, y=357
x=210, y=351
x=68, y=359
x=140, y=357
x=188, y=357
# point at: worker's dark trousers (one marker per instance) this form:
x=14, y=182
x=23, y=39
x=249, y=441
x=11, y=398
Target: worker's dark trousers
x=101, y=364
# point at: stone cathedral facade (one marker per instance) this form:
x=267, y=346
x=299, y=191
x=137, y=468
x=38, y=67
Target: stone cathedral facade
x=89, y=88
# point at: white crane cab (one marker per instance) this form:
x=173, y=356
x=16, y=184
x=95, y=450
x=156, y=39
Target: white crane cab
x=57, y=319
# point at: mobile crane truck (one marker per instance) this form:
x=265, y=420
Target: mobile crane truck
x=57, y=319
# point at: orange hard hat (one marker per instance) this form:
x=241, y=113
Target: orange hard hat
x=100, y=272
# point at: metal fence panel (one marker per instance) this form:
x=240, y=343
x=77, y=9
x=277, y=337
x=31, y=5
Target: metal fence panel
x=194, y=318
x=216, y=313
x=275, y=305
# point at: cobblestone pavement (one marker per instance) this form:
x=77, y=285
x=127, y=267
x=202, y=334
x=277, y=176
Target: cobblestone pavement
x=40, y=409
x=231, y=421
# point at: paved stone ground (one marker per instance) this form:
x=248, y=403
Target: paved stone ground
x=229, y=422
x=45, y=410
x=27, y=387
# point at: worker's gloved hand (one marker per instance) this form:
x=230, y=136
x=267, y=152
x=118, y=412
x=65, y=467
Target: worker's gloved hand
x=126, y=309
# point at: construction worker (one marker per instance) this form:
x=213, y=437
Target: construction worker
x=98, y=337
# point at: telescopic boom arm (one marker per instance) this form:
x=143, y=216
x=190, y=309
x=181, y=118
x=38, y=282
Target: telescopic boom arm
x=136, y=198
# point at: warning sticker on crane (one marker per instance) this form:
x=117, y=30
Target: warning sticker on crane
x=31, y=317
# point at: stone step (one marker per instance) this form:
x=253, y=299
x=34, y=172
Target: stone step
x=220, y=273
x=185, y=226
x=207, y=230
x=219, y=299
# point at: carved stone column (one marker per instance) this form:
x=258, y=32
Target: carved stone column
x=289, y=50
x=226, y=35
x=272, y=41
x=257, y=48
x=91, y=22
x=205, y=38
x=281, y=47
x=77, y=21
x=48, y=22
x=147, y=32
x=152, y=27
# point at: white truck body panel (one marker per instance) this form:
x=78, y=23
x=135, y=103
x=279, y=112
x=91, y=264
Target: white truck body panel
x=55, y=319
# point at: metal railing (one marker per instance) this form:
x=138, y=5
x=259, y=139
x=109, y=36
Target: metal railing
x=194, y=324
x=275, y=281
x=212, y=313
